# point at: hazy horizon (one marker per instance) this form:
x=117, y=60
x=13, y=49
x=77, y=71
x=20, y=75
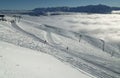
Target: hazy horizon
x=30, y=4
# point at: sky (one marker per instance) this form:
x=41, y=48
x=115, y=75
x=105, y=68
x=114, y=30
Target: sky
x=31, y=4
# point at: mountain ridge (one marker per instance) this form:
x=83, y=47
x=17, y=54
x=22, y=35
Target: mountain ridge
x=100, y=9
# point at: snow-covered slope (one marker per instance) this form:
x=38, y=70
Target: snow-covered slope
x=69, y=39
x=17, y=62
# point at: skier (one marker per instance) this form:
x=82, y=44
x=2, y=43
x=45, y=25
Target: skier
x=80, y=38
x=45, y=41
x=67, y=48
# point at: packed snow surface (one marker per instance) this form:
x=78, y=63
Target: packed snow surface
x=86, y=42
x=17, y=62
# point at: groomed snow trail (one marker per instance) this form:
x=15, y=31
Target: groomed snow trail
x=18, y=62
x=86, y=55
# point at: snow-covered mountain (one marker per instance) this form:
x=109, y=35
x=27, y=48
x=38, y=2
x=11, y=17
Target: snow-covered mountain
x=86, y=42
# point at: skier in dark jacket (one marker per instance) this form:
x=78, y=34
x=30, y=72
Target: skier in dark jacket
x=67, y=48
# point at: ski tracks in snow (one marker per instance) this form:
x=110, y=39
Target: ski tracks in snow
x=76, y=59
x=17, y=28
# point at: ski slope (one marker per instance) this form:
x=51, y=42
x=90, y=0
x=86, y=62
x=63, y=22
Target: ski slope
x=79, y=43
x=17, y=62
